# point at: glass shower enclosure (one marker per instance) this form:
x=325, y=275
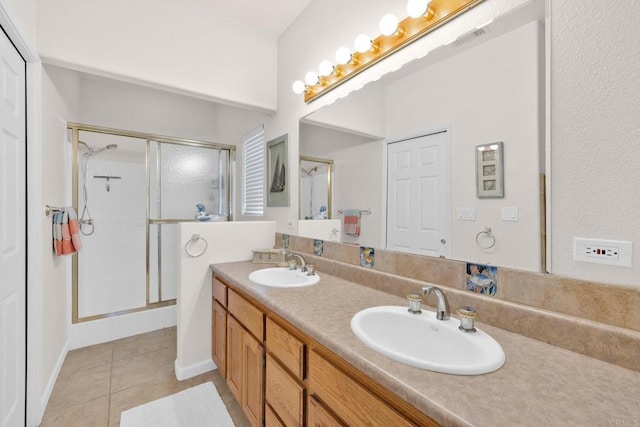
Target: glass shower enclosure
x=130, y=190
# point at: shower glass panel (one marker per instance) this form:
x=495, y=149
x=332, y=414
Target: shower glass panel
x=181, y=178
x=112, y=211
x=131, y=190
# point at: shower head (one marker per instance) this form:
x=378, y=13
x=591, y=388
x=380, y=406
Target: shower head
x=308, y=172
x=93, y=151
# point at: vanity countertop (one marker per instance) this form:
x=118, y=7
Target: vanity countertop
x=539, y=384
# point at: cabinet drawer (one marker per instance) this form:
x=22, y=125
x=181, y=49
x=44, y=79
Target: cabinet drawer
x=319, y=416
x=250, y=317
x=348, y=399
x=219, y=291
x=270, y=419
x=287, y=348
x=284, y=394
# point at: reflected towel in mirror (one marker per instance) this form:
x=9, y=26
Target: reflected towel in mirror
x=352, y=222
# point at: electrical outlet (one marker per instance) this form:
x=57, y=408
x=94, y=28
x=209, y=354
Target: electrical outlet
x=612, y=252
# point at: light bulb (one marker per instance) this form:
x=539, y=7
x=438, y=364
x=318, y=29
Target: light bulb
x=417, y=8
x=363, y=43
x=343, y=55
x=388, y=24
x=298, y=87
x=311, y=78
x=325, y=68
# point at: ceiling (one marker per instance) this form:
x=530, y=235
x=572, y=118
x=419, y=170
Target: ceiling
x=271, y=17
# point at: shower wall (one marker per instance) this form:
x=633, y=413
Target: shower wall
x=112, y=260
x=313, y=191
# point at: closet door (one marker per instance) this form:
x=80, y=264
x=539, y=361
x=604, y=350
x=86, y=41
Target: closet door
x=12, y=234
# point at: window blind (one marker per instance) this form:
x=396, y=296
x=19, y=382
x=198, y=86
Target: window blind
x=253, y=177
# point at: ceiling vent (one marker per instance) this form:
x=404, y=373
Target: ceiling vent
x=466, y=38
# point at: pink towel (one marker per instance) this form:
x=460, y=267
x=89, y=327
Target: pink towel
x=74, y=229
x=66, y=240
x=352, y=222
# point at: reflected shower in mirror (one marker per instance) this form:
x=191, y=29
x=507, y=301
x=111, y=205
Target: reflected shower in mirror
x=486, y=87
x=315, y=188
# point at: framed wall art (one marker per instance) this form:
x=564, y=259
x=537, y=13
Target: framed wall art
x=277, y=173
x=489, y=170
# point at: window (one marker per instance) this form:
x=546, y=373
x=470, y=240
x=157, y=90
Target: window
x=253, y=188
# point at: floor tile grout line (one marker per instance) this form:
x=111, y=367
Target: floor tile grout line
x=110, y=395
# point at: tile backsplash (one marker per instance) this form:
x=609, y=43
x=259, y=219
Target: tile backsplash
x=595, y=319
x=610, y=304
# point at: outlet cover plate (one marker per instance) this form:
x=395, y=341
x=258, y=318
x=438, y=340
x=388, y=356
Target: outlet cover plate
x=599, y=251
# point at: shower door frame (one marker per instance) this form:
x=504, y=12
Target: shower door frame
x=148, y=138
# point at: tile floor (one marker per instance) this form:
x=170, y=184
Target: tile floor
x=97, y=383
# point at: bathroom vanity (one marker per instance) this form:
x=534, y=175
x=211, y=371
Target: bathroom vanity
x=291, y=358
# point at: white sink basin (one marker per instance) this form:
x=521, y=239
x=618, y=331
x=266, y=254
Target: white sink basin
x=282, y=277
x=422, y=341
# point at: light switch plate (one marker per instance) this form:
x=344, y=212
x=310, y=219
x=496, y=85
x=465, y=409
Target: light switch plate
x=510, y=213
x=466, y=214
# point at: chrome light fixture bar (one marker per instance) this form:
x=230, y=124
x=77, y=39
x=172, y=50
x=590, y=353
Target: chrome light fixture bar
x=424, y=17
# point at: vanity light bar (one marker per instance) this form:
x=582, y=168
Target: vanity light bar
x=408, y=30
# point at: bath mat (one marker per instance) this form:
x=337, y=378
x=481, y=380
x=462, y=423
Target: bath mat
x=199, y=406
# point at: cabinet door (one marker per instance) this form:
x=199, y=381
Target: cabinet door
x=253, y=367
x=234, y=357
x=219, y=337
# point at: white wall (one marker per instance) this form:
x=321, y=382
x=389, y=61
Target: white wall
x=487, y=93
x=185, y=46
x=225, y=242
x=56, y=170
x=594, y=132
x=23, y=17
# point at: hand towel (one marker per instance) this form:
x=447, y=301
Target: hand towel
x=67, y=246
x=66, y=240
x=56, y=231
x=74, y=229
x=352, y=222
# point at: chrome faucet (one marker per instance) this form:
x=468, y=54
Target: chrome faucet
x=442, y=312
x=303, y=265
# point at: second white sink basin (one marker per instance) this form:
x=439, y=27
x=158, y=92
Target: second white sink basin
x=282, y=277
x=422, y=341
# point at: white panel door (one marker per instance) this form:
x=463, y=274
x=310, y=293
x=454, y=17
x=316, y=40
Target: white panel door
x=419, y=195
x=12, y=235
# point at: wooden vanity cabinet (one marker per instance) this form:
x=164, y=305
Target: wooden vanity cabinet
x=284, y=378
x=219, y=326
x=284, y=389
x=237, y=348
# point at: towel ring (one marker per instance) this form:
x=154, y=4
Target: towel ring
x=486, y=235
x=194, y=239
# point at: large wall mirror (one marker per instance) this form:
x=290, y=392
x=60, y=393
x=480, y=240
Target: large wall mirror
x=486, y=87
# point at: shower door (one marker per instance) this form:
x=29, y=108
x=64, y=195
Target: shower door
x=130, y=191
x=181, y=178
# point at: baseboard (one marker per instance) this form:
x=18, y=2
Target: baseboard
x=186, y=372
x=103, y=330
x=46, y=393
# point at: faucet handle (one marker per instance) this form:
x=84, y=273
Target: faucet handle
x=467, y=315
x=414, y=303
